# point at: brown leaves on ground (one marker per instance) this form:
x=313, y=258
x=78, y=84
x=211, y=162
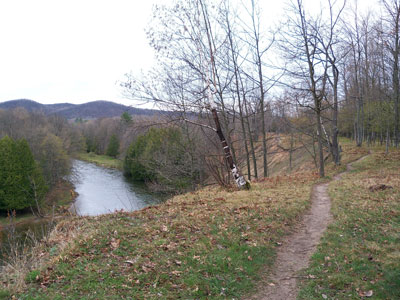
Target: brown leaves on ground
x=379, y=187
x=160, y=245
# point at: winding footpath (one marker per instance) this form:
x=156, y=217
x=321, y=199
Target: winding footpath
x=296, y=250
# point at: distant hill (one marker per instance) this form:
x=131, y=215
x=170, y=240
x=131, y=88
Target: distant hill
x=89, y=110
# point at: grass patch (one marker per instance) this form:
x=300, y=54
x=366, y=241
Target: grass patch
x=209, y=244
x=359, y=254
x=100, y=160
x=32, y=276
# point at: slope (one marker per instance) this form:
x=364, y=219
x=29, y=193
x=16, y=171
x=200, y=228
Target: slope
x=210, y=244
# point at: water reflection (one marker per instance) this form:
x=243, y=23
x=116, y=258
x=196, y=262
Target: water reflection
x=104, y=191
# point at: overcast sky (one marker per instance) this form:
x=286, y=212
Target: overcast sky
x=75, y=51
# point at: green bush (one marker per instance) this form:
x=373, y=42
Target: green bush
x=113, y=146
x=160, y=156
x=21, y=179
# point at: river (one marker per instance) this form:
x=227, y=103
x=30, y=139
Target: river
x=100, y=191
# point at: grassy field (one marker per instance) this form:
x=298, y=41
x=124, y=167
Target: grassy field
x=101, y=160
x=359, y=256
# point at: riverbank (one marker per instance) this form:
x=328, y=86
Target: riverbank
x=210, y=243
x=56, y=203
x=101, y=160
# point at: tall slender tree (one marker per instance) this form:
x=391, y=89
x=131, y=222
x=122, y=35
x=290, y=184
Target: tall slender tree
x=392, y=8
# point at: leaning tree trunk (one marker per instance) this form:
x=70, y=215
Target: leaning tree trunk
x=239, y=179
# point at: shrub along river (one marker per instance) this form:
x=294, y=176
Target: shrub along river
x=100, y=191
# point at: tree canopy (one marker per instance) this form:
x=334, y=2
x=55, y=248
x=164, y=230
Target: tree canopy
x=160, y=157
x=113, y=146
x=21, y=179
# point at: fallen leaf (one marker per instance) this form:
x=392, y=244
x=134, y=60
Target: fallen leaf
x=115, y=243
x=365, y=294
x=176, y=273
x=145, y=269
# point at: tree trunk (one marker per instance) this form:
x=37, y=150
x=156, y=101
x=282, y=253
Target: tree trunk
x=237, y=90
x=387, y=140
x=237, y=176
x=252, y=148
x=396, y=91
x=320, y=146
x=261, y=87
x=335, y=130
x=291, y=151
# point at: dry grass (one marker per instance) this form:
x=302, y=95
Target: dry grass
x=359, y=254
x=208, y=244
x=25, y=256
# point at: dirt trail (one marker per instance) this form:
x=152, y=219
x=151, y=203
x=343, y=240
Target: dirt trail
x=296, y=250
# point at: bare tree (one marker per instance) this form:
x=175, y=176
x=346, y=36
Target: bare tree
x=259, y=45
x=392, y=8
x=189, y=43
x=330, y=40
x=308, y=67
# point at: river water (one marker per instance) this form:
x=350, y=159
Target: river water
x=100, y=191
